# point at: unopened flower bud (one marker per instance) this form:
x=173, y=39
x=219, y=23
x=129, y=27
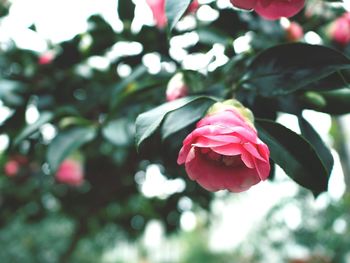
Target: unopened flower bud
x=176, y=88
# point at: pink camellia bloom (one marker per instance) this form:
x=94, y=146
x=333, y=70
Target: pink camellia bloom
x=11, y=168
x=294, y=32
x=46, y=58
x=158, y=10
x=340, y=30
x=271, y=9
x=70, y=172
x=176, y=88
x=224, y=152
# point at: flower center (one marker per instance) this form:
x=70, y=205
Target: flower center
x=219, y=159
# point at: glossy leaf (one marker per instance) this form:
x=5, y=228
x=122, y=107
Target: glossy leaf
x=185, y=116
x=286, y=68
x=66, y=142
x=337, y=80
x=117, y=89
x=296, y=156
x=309, y=133
x=44, y=118
x=175, y=10
x=126, y=10
x=119, y=132
x=147, y=123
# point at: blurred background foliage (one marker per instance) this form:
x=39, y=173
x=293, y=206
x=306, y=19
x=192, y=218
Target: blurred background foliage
x=79, y=99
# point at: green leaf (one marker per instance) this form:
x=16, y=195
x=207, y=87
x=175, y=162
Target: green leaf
x=126, y=10
x=174, y=10
x=286, y=68
x=294, y=155
x=212, y=36
x=118, y=132
x=188, y=114
x=10, y=92
x=44, y=118
x=337, y=80
x=309, y=133
x=137, y=73
x=66, y=142
x=147, y=123
x=335, y=102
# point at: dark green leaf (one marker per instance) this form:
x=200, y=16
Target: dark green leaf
x=212, y=36
x=44, y=118
x=126, y=9
x=147, y=123
x=188, y=114
x=136, y=74
x=294, y=155
x=334, y=81
x=286, y=68
x=175, y=10
x=66, y=142
x=315, y=140
x=118, y=132
x=10, y=93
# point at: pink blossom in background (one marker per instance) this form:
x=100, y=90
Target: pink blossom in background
x=271, y=9
x=176, y=88
x=340, y=30
x=294, y=32
x=11, y=168
x=158, y=10
x=70, y=172
x=193, y=6
x=224, y=152
x=46, y=58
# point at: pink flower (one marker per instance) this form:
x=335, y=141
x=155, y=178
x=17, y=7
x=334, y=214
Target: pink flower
x=158, y=10
x=70, y=172
x=46, y=58
x=271, y=9
x=340, y=30
x=177, y=88
x=11, y=168
x=294, y=32
x=224, y=152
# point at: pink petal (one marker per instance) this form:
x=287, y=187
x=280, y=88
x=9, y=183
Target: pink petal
x=206, y=142
x=183, y=154
x=158, y=10
x=224, y=138
x=253, y=151
x=244, y=4
x=263, y=169
x=227, y=118
x=207, y=130
x=276, y=9
x=228, y=149
x=215, y=177
x=247, y=159
x=263, y=150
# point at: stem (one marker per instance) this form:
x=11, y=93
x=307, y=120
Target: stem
x=78, y=233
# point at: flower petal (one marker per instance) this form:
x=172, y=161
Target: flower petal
x=231, y=138
x=263, y=169
x=247, y=159
x=215, y=177
x=228, y=149
x=278, y=8
x=253, y=151
x=244, y=4
x=183, y=154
